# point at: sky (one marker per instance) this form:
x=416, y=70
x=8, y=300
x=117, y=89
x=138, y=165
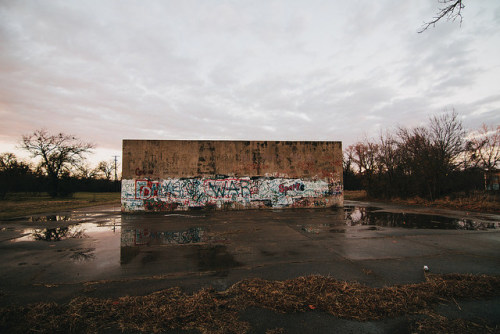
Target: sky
x=105, y=71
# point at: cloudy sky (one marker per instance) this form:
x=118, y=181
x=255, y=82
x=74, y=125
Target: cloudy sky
x=255, y=70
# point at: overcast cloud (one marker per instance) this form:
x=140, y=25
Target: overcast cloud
x=256, y=70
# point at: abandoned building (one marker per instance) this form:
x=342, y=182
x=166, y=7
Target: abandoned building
x=168, y=175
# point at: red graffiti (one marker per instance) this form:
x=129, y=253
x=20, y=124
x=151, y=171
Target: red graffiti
x=296, y=186
x=145, y=189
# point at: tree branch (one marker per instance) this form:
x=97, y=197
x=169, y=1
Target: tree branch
x=452, y=11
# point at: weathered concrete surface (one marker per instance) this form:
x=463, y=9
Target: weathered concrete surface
x=161, y=159
x=138, y=254
x=180, y=175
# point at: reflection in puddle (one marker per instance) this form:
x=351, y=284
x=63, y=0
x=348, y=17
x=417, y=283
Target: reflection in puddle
x=49, y=218
x=215, y=258
x=315, y=228
x=76, y=231
x=146, y=246
x=210, y=243
x=355, y=216
x=337, y=230
x=53, y=234
x=82, y=254
x=94, y=244
x=136, y=237
x=133, y=238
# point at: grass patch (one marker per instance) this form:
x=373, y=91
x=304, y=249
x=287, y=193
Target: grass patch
x=210, y=311
x=23, y=204
x=355, y=195
x=478, y=201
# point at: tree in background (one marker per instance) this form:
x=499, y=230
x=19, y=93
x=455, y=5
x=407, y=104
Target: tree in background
x=106, y=169
x=59, y=154
x=447, y=141
x=350, y=177
x=389, y=165
x=422, y=161
x=484, y=148
x=8, y=161
x=483, y=152
x=84, y=171
x=363, y=157
x=14, y=174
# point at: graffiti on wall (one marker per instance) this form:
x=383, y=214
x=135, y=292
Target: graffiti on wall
x=182, y=194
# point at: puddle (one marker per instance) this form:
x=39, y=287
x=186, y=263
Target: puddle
x=74, y=231
x=183, y=215
x=82, y=254
x=49, y=218
x=337, y=230
x=316, y=228
x=376, y=219
x=215, y=258
x=92, y=245
x=356, y=216
x=138, y=236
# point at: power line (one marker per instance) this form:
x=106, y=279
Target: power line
x=116, y=158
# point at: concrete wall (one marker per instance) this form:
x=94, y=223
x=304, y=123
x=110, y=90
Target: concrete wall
x=165, y=175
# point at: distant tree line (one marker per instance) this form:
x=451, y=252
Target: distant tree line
x=58, y=167
x=428, y=161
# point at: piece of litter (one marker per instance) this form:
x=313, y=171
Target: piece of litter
x=426, y=268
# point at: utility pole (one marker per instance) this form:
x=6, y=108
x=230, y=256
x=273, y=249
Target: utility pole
x=116, y=158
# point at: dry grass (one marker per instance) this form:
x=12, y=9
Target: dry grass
x=480, y=201
x=435, y=323
x=477, y=201
x=210, y=311
x=21, y=204
x=355, y=195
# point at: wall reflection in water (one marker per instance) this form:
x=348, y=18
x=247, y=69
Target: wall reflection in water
x=133, y=238
x=137, y=236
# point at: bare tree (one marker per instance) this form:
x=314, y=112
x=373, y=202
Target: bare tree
x=9, y=162
x=106, y=168
x=58, y=153
x=12, y=173
x=364, y=156
x=484, y=148
x=389, y=164
x=416, y=165
x=448, y=144
x=447, y=135
x=388, y=158
x=451, y=10
x=425, y=161
x=84, y=171
x=6, y=160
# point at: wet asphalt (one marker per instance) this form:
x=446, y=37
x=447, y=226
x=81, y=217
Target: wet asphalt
x=99, y=252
